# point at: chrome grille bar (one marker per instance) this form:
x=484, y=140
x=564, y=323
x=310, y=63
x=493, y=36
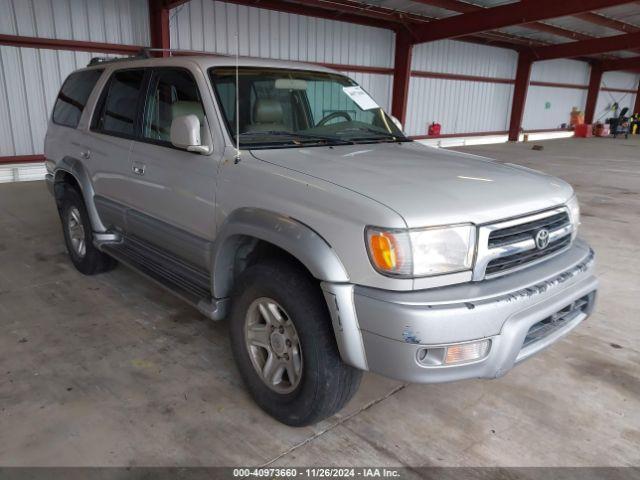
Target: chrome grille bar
x=511, y=244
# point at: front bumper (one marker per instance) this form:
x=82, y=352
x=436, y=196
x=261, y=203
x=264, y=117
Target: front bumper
x=387, y=332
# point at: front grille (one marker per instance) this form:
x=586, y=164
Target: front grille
x=524, y=231
x=550, y=324
x=514, y=246
x=513, y=261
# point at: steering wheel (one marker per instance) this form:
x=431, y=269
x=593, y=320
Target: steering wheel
x=331, y=116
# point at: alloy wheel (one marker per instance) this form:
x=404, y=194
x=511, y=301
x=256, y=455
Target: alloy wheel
x=273, y=345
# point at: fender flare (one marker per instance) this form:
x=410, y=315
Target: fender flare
x=291, y=235
x=77, y=170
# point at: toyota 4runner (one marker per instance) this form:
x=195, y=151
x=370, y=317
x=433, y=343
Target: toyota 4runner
x=279, y=195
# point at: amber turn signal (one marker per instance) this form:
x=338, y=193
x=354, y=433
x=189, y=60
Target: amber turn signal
x=383, y=252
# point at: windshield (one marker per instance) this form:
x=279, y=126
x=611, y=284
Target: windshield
x=288, y=108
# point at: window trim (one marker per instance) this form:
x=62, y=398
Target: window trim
x=97, y=111
x=152, y=75
x=53, y=120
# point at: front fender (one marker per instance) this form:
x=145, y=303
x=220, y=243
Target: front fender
x=289, y=234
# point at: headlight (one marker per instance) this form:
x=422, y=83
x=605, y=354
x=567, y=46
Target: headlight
x=574, y=213
x=421, y=252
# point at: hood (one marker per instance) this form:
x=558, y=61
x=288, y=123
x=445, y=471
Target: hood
x=425, y=185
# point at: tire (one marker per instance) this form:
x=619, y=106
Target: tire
x=325, y=384
x=78, y=236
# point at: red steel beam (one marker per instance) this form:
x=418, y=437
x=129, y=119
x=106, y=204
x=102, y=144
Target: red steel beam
x=401, y=75
x=452, y=5
x=518, y=13
x=603, y=21
x=592, y=94
x=456, y=76
x=358, y=8
x=519, y=95
x=168, y=4
x=480, y=79
x=22, y=159
x=588, y=47
x=159, y=25
x=636, y=107
x=611, y=23
x=577, y=86
x=618, y=90
x=338, y=11
x=73, y=45
x=631, y=63
x=464, y=7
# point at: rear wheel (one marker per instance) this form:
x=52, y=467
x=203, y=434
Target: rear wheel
x=284, y=346
x=78, y=236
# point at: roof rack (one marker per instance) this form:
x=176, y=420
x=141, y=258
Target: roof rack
x=146, y=52
x=142, y=53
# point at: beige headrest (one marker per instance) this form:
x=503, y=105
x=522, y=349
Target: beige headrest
x=268, y=110
x=179, y=109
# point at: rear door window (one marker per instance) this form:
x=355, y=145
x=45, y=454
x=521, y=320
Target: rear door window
x=73, y=97
x=117, y=114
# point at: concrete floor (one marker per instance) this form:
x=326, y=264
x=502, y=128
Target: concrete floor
x=111, y=370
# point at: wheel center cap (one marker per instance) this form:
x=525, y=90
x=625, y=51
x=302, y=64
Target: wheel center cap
x=278, y=343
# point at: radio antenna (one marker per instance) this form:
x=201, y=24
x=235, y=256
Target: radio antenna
x=237, y=159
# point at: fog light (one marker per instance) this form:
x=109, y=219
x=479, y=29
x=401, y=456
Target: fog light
x=467, y=352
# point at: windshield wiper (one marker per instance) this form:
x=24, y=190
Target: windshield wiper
x=304, y=136
x=379, y=135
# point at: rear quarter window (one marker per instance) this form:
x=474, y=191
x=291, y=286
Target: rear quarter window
x=73, y=97
x=117, y=111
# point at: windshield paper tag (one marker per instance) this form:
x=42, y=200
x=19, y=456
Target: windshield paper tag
x=360, y=97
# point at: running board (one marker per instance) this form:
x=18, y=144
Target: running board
x=188, y=283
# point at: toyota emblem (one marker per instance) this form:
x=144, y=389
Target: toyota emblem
x=542, y=239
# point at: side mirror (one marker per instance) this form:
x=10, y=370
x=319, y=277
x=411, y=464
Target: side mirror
x=185, y=133
x=397, y=123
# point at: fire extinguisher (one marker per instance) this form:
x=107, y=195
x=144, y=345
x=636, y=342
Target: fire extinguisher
x=434, y=129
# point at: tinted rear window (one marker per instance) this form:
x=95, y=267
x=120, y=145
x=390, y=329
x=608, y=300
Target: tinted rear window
x=73, y=97
x=117, y=114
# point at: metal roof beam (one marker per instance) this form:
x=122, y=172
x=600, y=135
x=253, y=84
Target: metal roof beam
x=603, y=21
x=463, y=7
x=519, y=13
x=632, y=63
x=341, y=11
x=588, y=47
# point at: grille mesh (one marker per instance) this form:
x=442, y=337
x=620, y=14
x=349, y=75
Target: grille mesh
x=544, y=327
x=522, y=232
x=519, y=259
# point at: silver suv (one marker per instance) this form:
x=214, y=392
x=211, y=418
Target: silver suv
x=281, y=196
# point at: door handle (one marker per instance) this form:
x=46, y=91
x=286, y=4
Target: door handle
x=138, y=168
x=86, y=154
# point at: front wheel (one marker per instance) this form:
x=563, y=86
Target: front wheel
x=284, y=346
x=78, y=236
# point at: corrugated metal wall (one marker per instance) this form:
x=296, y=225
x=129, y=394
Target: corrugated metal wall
x=460, y=106
x=206, y=25
x=550, y=107
x=30, y=78
x=623, y=80
x=449, y=56
x=111, y=21
x=29, y=82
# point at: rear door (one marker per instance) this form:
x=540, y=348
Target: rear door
x=173, y=194
x=114, y=125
